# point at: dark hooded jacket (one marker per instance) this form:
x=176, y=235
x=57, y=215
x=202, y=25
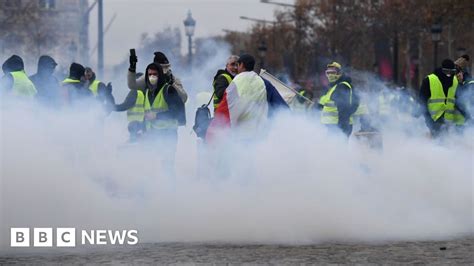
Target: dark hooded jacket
x=12, y=64
x=220, y=83
x=76, y=91
x=175, y=104
x=45, y=82
x=425, y=94
x=342, y=98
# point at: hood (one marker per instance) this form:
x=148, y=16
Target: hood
x=47, y=63
x=445, y=80
x=76, y=71
x=14, y=63
x=160, y=58
x=161, y=76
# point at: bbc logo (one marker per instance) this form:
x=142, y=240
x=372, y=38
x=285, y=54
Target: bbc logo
x=66, y=237
x=42, y=237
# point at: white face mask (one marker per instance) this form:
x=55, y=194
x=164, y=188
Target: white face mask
x=153, y=79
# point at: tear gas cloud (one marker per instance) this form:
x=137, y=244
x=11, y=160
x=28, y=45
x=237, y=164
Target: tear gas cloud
x=298, y=185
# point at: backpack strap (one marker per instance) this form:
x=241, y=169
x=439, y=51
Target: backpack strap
x=210, y=100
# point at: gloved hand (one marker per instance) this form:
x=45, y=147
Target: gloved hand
x=169, y=78
x=133, y=63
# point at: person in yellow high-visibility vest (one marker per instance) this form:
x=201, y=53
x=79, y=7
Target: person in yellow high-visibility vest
x=102, y=92
x=15, y=80
x=170, y=78
x=164, y=112
x=134, y=104
x=438, y=93
x=223, y=78
x=74, y=89
x=299, y=103
x=339, y=102
x=93, y=82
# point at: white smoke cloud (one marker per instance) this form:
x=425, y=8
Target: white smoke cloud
x=298, y=185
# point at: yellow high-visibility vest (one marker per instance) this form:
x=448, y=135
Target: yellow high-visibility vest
x=158, y=106
x=216, y=100
x=137, y=112
x=22, y=85
x=330, y=114
x=94, y=87
x=439, y=104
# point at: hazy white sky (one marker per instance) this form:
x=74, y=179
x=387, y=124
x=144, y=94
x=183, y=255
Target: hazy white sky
x=135, y=17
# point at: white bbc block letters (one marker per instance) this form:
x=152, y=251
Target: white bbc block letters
x=19, y=237
x=66, y=237
x=43, y=237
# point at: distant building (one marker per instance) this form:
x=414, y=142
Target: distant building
x=58, y=28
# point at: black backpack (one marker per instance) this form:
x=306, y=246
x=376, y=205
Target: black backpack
x=202, y=119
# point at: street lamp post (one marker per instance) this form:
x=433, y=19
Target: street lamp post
x=100, y=49
x=189, y=25
x=436, y=30
x=262, y=51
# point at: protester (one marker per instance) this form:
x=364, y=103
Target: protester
x=164, y=112
x=102, y=92
x=223, y=78
x=302, y=101
x=247, y=103
x=171, y=79
x=134, y=104
x=437, y=93
x=15, y=80
x=45, y=82
x=74, y=88
x=465, y=92
x=339, y=103
x=93, y=83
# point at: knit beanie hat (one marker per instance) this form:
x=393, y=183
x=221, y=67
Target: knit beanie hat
x=462, y=62
x=160, y=58
x=448, y=64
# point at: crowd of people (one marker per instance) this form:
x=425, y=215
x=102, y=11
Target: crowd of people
x=445, y=100
x=243, y=100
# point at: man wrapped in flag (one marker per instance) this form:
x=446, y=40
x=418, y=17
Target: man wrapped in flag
x=247, y=104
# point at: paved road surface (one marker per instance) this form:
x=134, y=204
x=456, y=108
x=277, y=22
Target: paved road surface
x=457, y=252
